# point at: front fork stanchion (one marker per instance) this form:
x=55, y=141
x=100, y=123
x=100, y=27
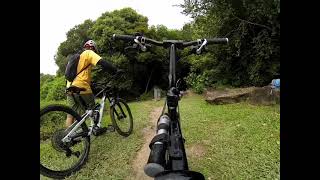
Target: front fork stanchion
x=101, y=110
x=113, y=103
x=123, y=115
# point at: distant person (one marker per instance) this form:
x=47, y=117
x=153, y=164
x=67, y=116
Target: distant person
x=275, y=85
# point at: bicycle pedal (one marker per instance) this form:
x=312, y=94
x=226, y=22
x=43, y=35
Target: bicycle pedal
x=99, y=131
x=110, y=128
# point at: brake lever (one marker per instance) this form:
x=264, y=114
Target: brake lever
x=193, y=49
x=143, y=48
x=134, y=46
x=202, y=45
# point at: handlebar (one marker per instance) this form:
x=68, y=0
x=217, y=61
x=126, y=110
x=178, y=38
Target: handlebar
x=218, y=41
x=141, y=40
x=123, y=37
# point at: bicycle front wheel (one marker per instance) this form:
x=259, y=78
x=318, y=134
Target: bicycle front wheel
x=121, y=117
x=58, y=159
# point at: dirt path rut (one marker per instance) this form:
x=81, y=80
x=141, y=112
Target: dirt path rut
x=143, y=153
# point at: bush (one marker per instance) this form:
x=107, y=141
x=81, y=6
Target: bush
x=44, y=90
x=45, y=78
x=147, y=96
x=53, y=90
x=196, y=82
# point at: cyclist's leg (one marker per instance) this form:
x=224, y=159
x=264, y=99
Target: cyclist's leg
x=75, y=106
x=88, y=99
x=74, y=103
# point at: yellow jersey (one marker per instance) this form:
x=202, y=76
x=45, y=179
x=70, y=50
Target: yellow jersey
x=83, y=80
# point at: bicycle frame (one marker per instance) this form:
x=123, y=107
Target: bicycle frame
x=167, y=156
x=177, y=159
x=168, y=153
x=89, y=113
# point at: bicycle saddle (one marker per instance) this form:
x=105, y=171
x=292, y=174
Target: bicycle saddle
x=75, y=89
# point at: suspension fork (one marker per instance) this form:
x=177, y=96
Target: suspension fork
x=113, y=103
x=102, y=103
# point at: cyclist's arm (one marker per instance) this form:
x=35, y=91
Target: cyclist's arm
x=107, y=66
x=95, y=59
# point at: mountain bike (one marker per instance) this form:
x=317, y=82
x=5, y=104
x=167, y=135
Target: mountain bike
x=64, y=151
x=167, y=159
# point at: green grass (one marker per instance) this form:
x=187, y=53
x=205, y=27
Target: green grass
x=239, y=141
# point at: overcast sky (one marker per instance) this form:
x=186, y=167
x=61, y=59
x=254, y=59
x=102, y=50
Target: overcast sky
x=59, y=16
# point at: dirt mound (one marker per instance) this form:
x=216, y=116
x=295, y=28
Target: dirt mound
x=254, y=95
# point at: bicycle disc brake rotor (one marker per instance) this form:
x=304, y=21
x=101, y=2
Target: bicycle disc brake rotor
x=56, y=140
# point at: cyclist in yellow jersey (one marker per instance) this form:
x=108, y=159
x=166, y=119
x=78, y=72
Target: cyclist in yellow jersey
x=88, y=58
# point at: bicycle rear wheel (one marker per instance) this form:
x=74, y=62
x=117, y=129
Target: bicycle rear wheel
x=121, y=117
x=57, y=159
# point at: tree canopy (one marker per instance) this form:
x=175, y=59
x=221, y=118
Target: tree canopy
x=251, y=58
x=253, y=27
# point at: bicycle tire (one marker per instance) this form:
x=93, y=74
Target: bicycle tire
x=118, y=103
x=57, y=174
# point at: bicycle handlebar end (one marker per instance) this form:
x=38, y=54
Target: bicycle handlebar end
x=152, y=169
x=122, y=37
x=218, y=41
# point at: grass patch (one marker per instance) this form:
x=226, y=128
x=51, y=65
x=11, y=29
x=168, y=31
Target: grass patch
x=241, y=141
x=234, y=141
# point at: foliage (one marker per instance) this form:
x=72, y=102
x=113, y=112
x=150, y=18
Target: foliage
x=197, y=82
x=45, y=78
x=75, y=40
x=53, y=90
x=253, y=27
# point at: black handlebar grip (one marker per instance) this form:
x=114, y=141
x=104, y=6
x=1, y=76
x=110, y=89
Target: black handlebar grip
x=156, y=160
x=180, y=174
x=123, y=37
x=218, y=41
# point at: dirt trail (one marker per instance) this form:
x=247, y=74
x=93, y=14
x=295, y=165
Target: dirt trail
x=143, y=153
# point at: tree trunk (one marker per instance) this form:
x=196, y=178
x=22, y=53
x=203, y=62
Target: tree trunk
x=148, y=81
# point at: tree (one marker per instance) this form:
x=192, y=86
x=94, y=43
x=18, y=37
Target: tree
x=45, y=78
x=138, y=66
x=75, y=39
x=253, y=28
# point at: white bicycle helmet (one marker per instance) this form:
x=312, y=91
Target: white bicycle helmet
x=91, y=43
